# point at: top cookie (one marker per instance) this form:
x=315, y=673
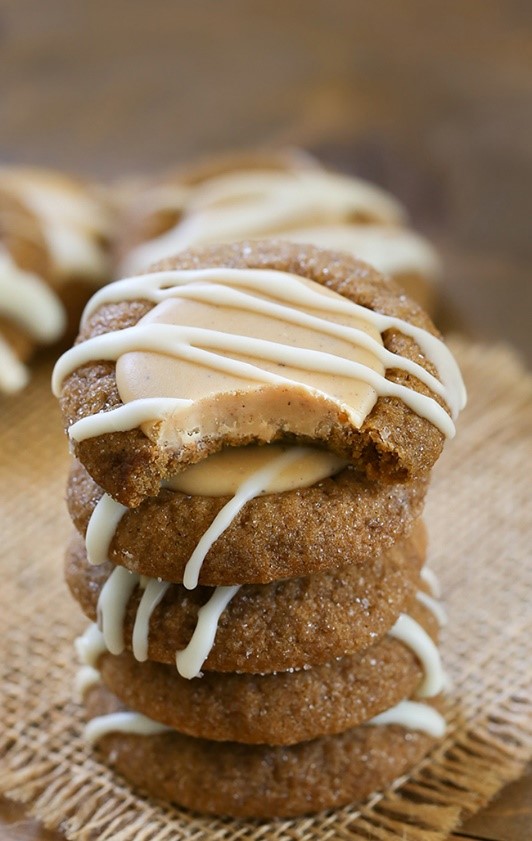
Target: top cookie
x=252, y=343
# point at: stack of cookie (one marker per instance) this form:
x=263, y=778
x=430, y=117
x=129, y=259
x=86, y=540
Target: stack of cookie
x=55, y=236
x=285, y=194
x=254, y=426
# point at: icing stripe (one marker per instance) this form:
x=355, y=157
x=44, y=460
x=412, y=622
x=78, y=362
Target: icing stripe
x=434, y=606
x=413, y=716
x=90, y=646
x=190, y=660
x=13, y=373
x=411, y=634
x=177, y=341
x=153, y=594
x=431, y=580
x=28, y=300
x=86, y=677
x=126, y=417
x=112, y=605
x=122, y=722
x=252, y=487
x=101, y=529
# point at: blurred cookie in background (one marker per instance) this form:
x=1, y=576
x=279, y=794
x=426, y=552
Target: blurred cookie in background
x=284, y=194
x=55, y=241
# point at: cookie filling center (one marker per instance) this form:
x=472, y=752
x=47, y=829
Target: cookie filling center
x=251, y=362
x=222, y=474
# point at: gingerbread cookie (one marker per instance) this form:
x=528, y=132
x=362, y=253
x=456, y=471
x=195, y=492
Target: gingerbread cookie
x=264, y=628
x=256, y=780
x=285, y=195
x=378, y=395
x=278, y=709
x=54, y=252
x=339, y=521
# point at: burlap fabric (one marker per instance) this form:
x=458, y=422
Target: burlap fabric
x=479, y=525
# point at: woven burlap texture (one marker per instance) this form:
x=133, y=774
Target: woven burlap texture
x=479, y=526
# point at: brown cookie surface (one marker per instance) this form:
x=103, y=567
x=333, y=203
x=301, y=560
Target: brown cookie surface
x=280, y=709
x=393, y=443
x=257, y=780
x=272, y=627
x=347, y=519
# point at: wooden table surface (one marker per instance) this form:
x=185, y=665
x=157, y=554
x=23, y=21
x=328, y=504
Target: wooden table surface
x=431, y=100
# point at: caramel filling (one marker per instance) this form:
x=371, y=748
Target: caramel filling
x=251, y=368
x=223, y=473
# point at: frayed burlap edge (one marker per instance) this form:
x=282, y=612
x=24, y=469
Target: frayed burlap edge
x=489, y=741
x=426, y=806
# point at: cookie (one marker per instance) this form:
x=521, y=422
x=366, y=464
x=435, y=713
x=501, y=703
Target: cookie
x=279, y=709
x=343, y=520
x=54, y=234
x=283, y=195
x=152, y=207
x=256, y=780
x=397, y=437
x=30, y=313
x=270, y=627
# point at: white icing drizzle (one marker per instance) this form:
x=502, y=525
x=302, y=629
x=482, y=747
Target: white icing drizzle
x=122, y=722
x=261, y=203
x=411, y=634
x=153, y=594
x=90, y=646
x=431, y=580
x=434, y=606
x=391, y=249
x=29, y=301
x=256, y=484
x=112, y=604
x=181, y=342
x=126, y=417
x=101, y=529
x=118, y=588
x=13, y=374
x=222, y=296
x=292, y=289
x=413, y=716
x=190, y=660
x=86, y=677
